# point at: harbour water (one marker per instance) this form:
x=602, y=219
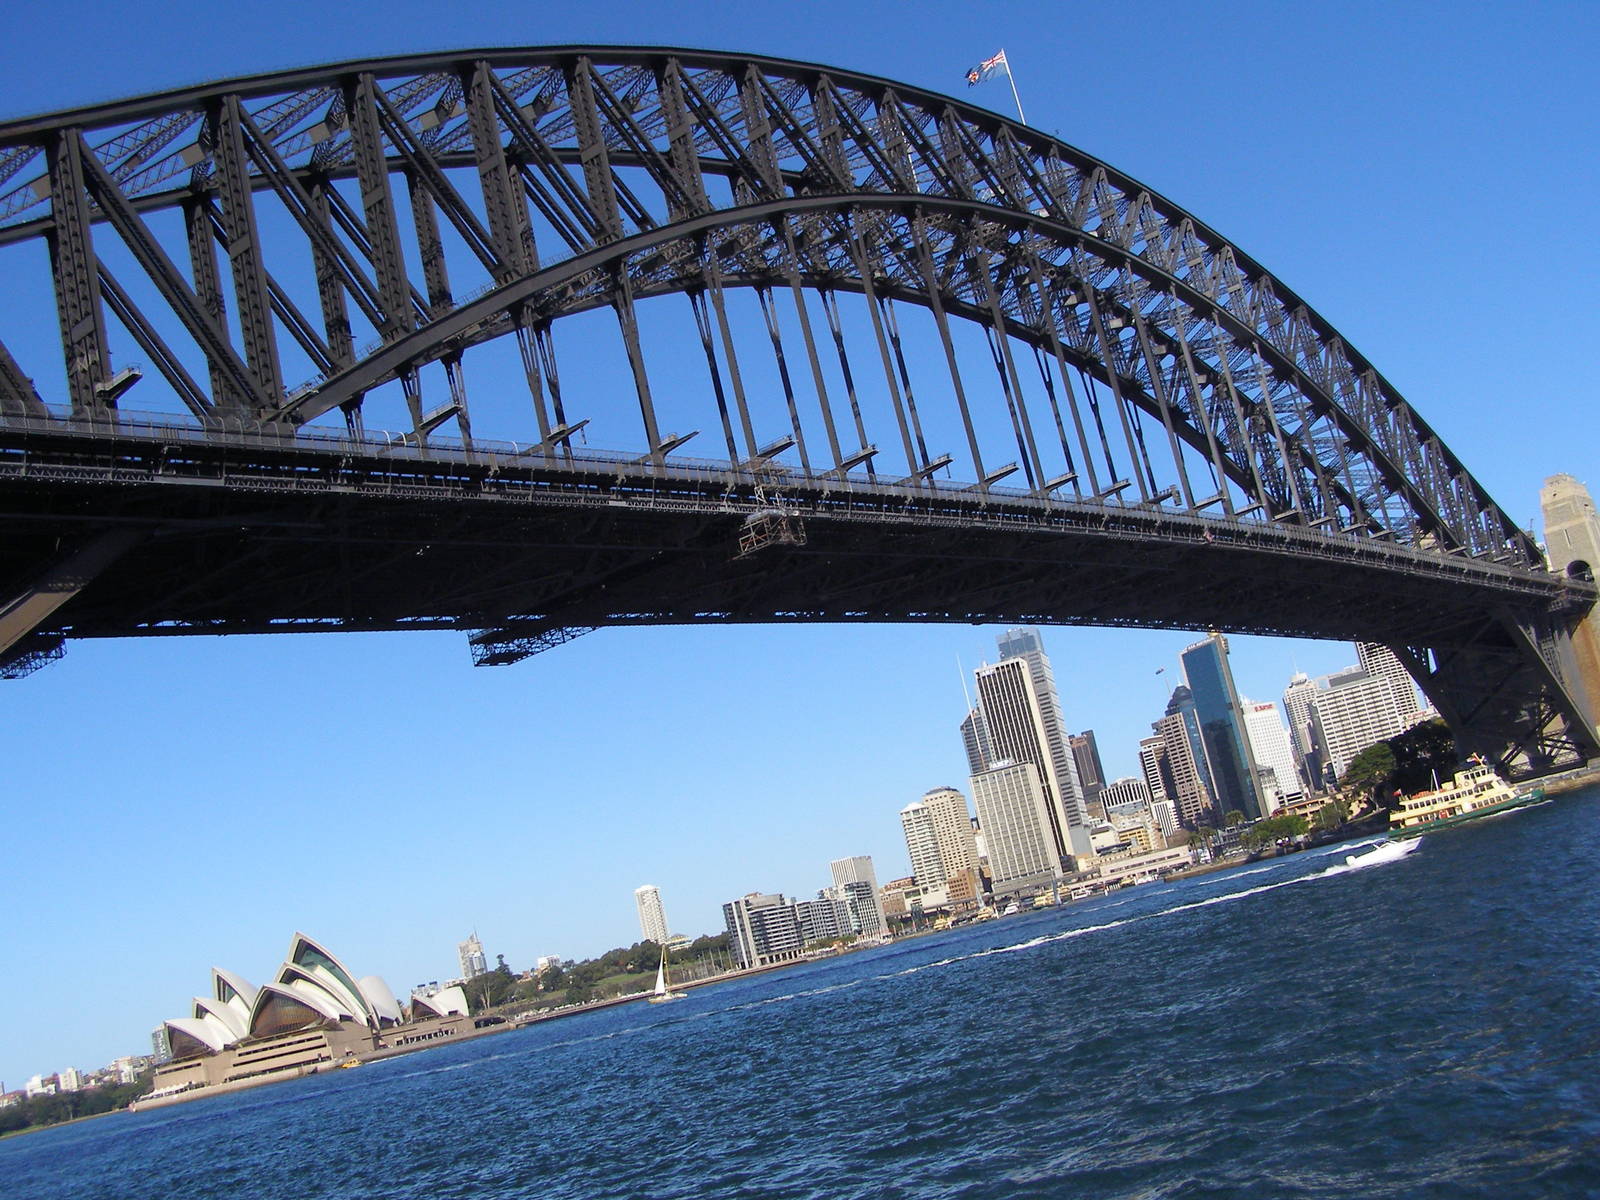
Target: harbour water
x=1293, y=1028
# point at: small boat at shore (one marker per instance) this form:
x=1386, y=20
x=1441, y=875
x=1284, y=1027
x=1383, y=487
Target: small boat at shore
x=1473, y=794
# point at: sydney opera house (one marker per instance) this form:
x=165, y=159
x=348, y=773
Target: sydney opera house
x=314, y=1012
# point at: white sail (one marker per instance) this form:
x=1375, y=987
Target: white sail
x=661, y=977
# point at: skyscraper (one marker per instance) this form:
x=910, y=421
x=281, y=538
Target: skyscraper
x=470, y=952
x=857, y=882
x=1016, y=826
x=975, y=739
x=1233, y=771
x=1572, y=543
x=652, y=917
x=1269, y=746
x=1091, y=775
x=1022, y=717
x=1182, y=780
x=1297, y=700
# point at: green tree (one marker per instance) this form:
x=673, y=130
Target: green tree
x=1233, y=817
x=1369, y=773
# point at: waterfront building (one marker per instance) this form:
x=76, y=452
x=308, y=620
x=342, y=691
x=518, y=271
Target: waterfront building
x=1572, y=544
x=1269, y=746
x=1022, y=716
x=1166, y=818
x=825, y=919
x=160, y=1046
x=1298, y=698
x=1232, y=769
x=1016, y=820
x=652, y=916
x=470, y=952
x=763, y=928
x=69, y=1080
x=313, y=1012
x=545, y=962
x=1091, y=774
x=857, y=882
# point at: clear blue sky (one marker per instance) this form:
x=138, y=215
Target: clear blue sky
x=1422, y=174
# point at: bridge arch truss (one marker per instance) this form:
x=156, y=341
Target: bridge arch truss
x=896, y=302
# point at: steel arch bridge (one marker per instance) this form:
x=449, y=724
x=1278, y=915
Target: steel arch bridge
x=939, y=366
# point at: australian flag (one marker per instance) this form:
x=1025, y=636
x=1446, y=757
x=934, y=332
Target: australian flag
x=986, y=68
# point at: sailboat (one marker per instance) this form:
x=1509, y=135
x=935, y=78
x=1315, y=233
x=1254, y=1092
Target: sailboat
x=663, y=991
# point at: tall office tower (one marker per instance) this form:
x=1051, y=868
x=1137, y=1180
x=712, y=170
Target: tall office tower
x=1380, y=662
x=763, y=928
x=1017, y=826
x=1233, y=771
x=1091, y=775
x=975, y=740
x=1150, y=753
x=1298, y=698
x=652, y=917
x=1572, y=544
x=1352, y=711
x=1181, y=705
x=1269, y=745
x=1125, y=794
x=1022, y=715
x=922, y=845
x=470, y=952
x=857, y=882
x=1181, y=777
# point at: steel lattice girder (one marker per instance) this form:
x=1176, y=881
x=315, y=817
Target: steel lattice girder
x=608, y=176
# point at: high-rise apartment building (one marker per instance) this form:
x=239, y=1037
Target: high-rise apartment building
x=1572, y=544
x=1017, y=826
x=652, y=917
x=470, y=952
x=922, y=845
x=827, y=918
x=763, y=928
x=1233, y=770
x=856, y=881
x=1269, y=746
x=1022, y=718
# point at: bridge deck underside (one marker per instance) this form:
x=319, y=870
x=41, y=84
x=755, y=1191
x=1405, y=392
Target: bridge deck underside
x=261, y=542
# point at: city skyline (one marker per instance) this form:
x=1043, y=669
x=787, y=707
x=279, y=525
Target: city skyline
x=574, y=776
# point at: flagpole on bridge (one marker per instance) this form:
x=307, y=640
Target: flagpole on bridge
x=1012, y=80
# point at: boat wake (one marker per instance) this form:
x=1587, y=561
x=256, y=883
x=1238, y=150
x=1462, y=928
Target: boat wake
x=1377, y=854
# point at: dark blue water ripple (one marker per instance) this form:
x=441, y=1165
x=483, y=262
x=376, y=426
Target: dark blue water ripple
x=1295, y=1029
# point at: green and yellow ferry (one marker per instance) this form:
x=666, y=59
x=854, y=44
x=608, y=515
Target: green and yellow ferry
x=1475, y=792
